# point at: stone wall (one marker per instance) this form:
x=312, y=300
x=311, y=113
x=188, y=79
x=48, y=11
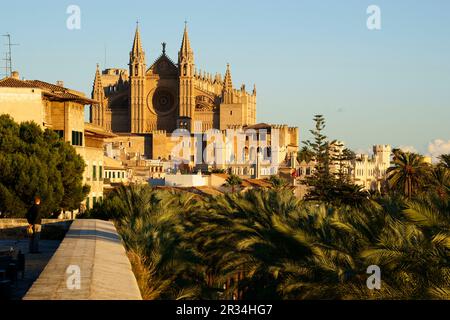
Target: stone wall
x=90, y=264
x=52, y=229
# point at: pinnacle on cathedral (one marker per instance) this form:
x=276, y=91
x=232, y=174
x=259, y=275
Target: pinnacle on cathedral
x=97, y=91
x=228, y=86
x=186, y=50
x=137, y=43
x=228, y=83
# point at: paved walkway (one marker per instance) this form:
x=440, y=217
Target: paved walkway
x=94, y=248
x=34, y=263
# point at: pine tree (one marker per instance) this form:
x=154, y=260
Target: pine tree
x=322, y=181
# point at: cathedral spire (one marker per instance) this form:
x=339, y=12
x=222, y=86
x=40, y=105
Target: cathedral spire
x=138, y=69
x=137, y=43
x=98, y=86
x=186, y=68
x=228, y=86
x=228, y=83
x=98, y=93
x=185, y=44
x=186, y=54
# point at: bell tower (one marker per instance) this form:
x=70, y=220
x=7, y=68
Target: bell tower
x=98, y=111
x=137, y=84
x=186, y=70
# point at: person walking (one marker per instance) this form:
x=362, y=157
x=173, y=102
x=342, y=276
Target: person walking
x=34, y=221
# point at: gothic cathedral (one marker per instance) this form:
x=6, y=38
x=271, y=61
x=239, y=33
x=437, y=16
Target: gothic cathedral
x=168, y=95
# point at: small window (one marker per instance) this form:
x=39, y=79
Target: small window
x=94, y=173
x=100, y=172
x=77, y=138
x=231, y=113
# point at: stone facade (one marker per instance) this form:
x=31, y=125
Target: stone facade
x=60, y=109
x=168, y=95
x=371, y=172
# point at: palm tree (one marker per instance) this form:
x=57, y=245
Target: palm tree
x=150, y=226
x=267, y=244
x=277, y=181
x=445, y=160
x=409, y=173
x=233, y=181
x=415, y=252
x=273, y=247
x=439, y=182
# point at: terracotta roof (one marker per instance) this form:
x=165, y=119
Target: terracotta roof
x=46, y=85
x=16, y=83
x=49, y=89
x=69, y=96
x=53, y=90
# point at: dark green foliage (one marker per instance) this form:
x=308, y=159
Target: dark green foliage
x=278, y=182
x=326, y=185
x=445, y=161
x=409, y=174
x=33, y=163
x=305, y=154
x=280, y=247
x=234, y=182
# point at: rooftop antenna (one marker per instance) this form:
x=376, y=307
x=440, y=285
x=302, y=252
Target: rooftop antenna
x=8, y=57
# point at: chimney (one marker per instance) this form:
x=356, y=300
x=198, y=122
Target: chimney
x=15, y=75
x=60, y=83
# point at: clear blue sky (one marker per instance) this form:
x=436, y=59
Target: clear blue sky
x=306, y=57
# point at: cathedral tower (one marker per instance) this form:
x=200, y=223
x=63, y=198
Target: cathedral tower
x=186, y=97
x=137, y=85
x=98, y=111
x=227, y=92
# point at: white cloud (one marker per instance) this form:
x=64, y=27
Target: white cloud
x=410, y=149
x=438, y=147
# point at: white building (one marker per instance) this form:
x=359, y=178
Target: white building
x=371, y=172
x=186, y=180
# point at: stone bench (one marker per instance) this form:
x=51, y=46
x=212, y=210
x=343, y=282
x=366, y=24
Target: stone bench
x=95, y=249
